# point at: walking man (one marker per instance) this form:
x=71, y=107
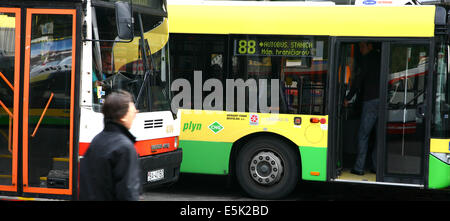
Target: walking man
x=110, y=167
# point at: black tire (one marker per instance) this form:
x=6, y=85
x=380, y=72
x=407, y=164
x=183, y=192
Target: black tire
x=261, y=180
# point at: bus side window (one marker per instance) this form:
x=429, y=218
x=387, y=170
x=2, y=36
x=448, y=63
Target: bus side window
x=299, y=63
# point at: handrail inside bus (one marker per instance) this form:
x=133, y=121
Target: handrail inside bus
x=42, y=115
x=6, y=81
x=10, y=135
x=6, y=109
x=10, y=124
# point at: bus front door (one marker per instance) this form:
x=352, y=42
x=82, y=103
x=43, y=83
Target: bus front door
x=36, y=147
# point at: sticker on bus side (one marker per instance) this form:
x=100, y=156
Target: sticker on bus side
x=215, y=127
x=192, y=126
x=369, y=2
x=254, y=119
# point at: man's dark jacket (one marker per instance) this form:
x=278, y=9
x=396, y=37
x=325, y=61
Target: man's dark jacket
x=110, y=168
x=367, y=82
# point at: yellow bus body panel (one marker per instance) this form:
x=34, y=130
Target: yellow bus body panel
x=221, y=126
x=129, y=52
x=7, y=21
x=440, y=145
x=385, y=21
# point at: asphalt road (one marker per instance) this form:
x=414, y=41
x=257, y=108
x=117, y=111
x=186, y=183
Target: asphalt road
x=194, y=187
x=207, y=197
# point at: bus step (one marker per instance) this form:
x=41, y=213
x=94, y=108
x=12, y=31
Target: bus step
x=60, y=163
x=58, y=179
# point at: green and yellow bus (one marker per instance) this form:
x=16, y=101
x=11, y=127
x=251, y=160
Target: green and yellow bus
x=310, y=56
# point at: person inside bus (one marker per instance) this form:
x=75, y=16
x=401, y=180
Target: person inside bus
x=110, y=168
x=366, y=86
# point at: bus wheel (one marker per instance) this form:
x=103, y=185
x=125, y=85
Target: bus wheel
x=267, y=168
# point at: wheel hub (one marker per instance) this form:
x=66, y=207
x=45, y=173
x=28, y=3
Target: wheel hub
x=266, y=168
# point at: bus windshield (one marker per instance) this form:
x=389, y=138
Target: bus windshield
x=120, y=65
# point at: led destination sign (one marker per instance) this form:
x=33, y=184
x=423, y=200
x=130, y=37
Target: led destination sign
x=261, y=47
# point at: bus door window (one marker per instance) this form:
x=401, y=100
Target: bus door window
x=50, y=100
x=7, y=75
x=405, y=129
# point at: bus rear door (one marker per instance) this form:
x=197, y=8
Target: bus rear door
x=404, y=117
x=399, y=136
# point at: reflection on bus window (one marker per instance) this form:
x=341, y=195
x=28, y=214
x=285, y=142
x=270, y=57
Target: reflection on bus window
x=7, y=58
x=120, y=66
x=50, y=84
x=406, y=81
x=441, y=123
x=153, y=4
x=205, y=53
x=406, y=95
x=300, y=63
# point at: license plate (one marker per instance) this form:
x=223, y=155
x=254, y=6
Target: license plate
x=155, y=175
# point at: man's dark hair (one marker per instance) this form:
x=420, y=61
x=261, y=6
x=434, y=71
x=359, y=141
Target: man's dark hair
x=116, y=105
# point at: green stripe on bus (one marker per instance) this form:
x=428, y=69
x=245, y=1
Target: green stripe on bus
x=439, y=174
x=314, y=163
x=213, y=158
x=205, y=157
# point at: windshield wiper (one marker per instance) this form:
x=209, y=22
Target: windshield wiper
x=148, y=71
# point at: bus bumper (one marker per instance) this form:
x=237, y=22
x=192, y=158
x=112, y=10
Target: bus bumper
x=160, y=169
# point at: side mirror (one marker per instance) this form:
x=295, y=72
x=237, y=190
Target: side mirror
x=124, y=20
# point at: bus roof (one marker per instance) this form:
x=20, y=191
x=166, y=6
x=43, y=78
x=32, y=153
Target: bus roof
x=203, y=17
